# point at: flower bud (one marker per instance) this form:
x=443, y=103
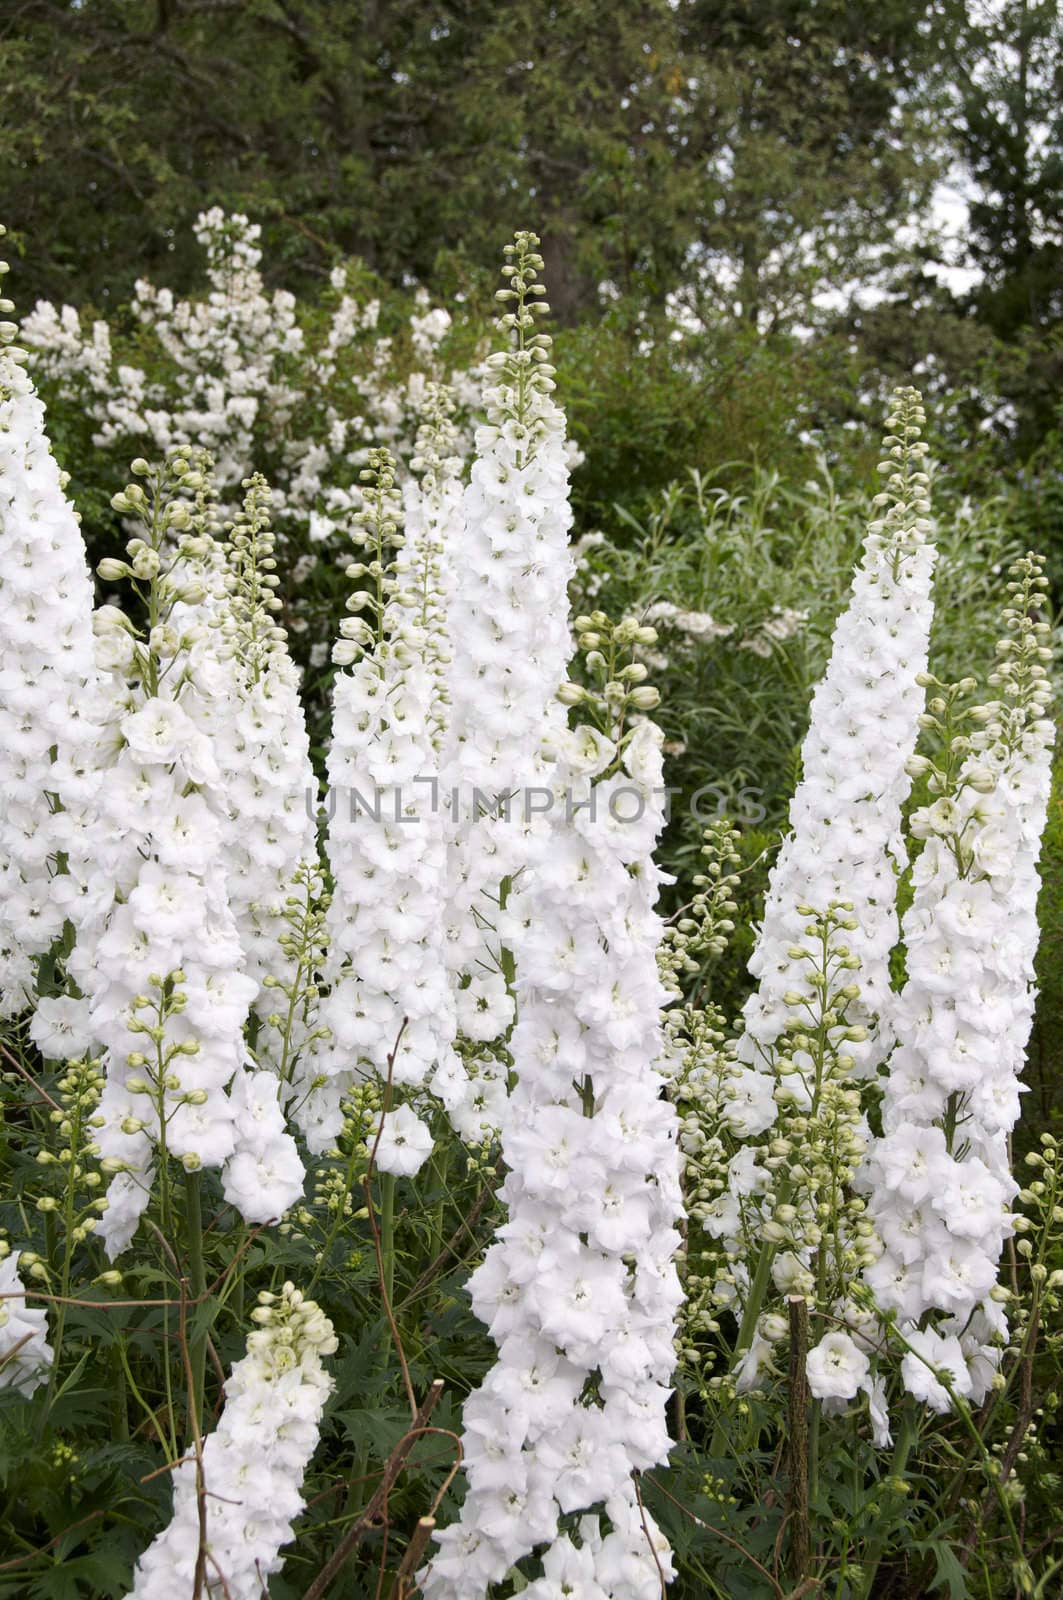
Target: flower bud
x=111, y=569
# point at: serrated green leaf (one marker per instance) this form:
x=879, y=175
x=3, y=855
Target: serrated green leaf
x=947, y=1570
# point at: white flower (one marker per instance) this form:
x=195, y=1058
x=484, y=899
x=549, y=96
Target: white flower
x=25, y=1354
x=878, y=1411
x=836, y=1367
x=930, y=1353
x=50, y=708
x=405, y=1142
x=484, y=1007
x=60, y=1027
x=389, y=1004
x=159, y=731
x=253, y=1462
x=940, y=1200
x=845, y=841
x=580, y=1284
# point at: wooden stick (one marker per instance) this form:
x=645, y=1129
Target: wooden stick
x=402, y=1588
x=376, y=1510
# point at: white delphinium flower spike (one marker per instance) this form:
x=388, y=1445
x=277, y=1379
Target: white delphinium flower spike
x=579, y=1290
x=49, y=706
x=243, y=693
x=508, y=569
x=845, y=840
x=260, y=741
x=157, y=953
x=939, y=1180
x=388, y=1006
x=25, y=1354
x=253, y=1463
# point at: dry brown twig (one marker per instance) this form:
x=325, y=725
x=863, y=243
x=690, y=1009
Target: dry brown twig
x=375, y=1513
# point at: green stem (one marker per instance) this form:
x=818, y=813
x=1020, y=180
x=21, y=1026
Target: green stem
x=197, y=1345
x=440, y=1163
x=387, y=1233
x=754, y=1300
x=801, y=1457
x=119, y=1401
x=906, y=1438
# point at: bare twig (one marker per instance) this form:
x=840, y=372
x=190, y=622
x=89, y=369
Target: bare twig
x=30, y=1079
x=649, y=1537
x=375, y=1512
x=401, y=1589
x=145, y=1305
x=20, y=1561
x=221, y=1576
x=450, y=1248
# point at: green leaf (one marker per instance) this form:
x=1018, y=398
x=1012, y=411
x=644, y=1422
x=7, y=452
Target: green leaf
x=947, y=1573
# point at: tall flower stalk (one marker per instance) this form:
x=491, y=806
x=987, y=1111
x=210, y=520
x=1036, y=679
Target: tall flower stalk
x=579, y=1290
x=507, y=573
x=845, y=841
x=388, y=1006
x=939, y=1179
x=49, y=693
x=158, y=954
x=236, y=1497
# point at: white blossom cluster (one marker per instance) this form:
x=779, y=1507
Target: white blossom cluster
x=253, y=1463
x=701, y=626
x=244, y=375
x=158, y=956
x=259, y=737
x=939, y=1180
x=845, y=817
x=579, y=1290
x=25, y=1354
x=49, y=727
x=248, y=706
x=389, y=1007
x=782, y=623
x=508, y=571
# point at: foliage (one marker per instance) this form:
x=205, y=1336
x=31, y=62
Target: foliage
x=519, y=1150
x=406, y=134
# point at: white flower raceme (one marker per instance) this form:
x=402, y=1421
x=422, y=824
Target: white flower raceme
x=579, y=1289
x=241, y=369
x=507, y=570
x=253, y=1463
x=264, y=1175
x=939, y=1180
x=242, y=691
x=49, y=708
x=248, y=700
x=845, y=817
x=389, y=1006
x=25, y=1354
x=158, y=955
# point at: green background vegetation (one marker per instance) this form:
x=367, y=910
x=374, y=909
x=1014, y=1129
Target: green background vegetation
x=745, y=162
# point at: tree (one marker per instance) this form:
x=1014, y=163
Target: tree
x=1010, y=103
x=823, y=120
x=760, y=146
